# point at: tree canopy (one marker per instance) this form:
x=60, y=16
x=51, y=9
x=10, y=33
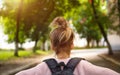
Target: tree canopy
x=30, y=19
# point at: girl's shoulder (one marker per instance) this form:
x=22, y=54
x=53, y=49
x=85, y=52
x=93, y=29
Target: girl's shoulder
x=36, y=69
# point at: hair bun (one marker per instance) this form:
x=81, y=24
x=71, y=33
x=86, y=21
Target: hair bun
x=60, y=22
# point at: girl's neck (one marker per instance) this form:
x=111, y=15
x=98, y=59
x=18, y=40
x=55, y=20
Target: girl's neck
x=63, y=56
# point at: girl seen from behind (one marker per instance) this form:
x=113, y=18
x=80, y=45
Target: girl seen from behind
x=61, y=38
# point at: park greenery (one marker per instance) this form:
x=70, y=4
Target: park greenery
x=28, y=20
x=8, y=55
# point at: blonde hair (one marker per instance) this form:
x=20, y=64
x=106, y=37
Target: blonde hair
x=62, y=36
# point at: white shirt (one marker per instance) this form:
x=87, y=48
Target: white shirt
x=83, y=68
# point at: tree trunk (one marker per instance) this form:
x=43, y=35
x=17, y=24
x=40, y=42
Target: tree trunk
x=101, y=29
x=16, y=49
x=103, y=43
x=43, y=45
x=119, y=10
x=88, y=43
x=21, y=45
x=97, y=43
x=17, y=29
x=35, y=46
x=92, y=44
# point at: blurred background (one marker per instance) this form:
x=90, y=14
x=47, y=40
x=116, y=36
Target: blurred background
x=24, y=26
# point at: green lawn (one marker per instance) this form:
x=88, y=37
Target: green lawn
x=89, y=47
x=6, y=55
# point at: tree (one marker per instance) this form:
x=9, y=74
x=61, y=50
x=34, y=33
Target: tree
x=101, y=27
x=44, y=37
x=18, y=17
x=29, y=22
x=85, y=11
x=114, y=15
x=84, y=23
x=36, y=18
x=11, y=19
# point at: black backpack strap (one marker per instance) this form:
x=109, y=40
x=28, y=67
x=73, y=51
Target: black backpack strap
x=73, y=62
x=52, y=64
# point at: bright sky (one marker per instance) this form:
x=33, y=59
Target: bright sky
x=79, y=42
x=3, y=38
x=0, y=3
x=5, y=45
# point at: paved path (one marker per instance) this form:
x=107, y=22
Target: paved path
x=92, y=56
x=89, y=54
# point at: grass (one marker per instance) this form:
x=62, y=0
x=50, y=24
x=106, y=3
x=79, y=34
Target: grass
x=7, y=55
x=89, y=47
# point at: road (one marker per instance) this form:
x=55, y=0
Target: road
x=92, y=56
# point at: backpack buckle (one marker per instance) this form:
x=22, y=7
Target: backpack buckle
x=61, y=64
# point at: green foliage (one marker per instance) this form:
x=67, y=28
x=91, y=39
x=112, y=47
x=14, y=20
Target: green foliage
x=7, y=55
x=9, y=21
x=34, y=15
x=114, y=15
x=81, y=48
x=84, y=20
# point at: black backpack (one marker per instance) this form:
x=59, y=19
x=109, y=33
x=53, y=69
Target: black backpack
x=68, y=69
